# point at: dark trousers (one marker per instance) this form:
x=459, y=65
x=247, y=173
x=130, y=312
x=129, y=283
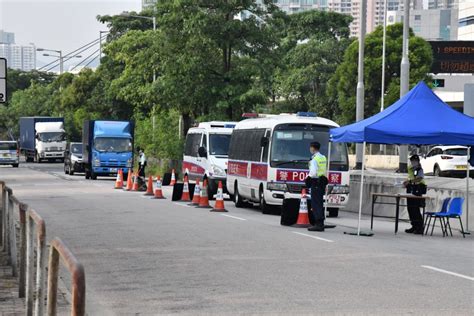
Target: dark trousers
x=414, y=212
x=317, y=202
x=141, y=171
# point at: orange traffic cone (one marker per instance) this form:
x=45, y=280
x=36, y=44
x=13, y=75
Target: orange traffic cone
x=129, y=180
x=203, y=198
x=149, y=187
x=173, y=178
x=197, y=191
x=219, y=206
x=158, y=190
x=135, y=182
x=185, y=196
x=303, y=219
x=119, y=180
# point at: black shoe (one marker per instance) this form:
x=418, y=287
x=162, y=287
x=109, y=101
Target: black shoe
x=418, y=231
x=316, y=228
x=410, y=231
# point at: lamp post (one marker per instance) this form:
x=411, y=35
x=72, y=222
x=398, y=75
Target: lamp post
x=59, y=56
x=360, y=81
x=405, y=79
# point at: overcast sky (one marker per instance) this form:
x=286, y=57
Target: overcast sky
x=58, y=24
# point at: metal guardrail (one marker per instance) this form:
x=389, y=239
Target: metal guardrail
x=33, y=286
x=59, y=250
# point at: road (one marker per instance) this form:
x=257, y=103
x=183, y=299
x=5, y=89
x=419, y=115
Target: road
x=148, y=257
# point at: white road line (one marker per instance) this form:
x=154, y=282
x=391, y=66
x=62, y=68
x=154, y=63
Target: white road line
x=234, y=217
x=449, y=272
x=315, y=237
x=181, y=204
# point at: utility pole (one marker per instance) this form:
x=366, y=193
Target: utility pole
x=61, y=62
x=405, y=80
x=360, y=81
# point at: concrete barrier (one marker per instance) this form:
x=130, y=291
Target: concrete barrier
x=377, y=161
x=439, y=188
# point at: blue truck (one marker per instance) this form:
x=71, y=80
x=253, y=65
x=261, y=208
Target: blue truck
x=107, y=147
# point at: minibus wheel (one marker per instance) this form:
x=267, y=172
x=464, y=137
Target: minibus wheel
x=263, y=204
x=237, y=198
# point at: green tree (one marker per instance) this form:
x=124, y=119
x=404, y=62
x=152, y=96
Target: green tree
x=342, y=86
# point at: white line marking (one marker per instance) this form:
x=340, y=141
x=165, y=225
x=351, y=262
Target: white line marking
x=181, y=204
x=234, y=217
x=315, y=237
x=449, y=272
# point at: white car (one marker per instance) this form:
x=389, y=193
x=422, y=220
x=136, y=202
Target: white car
x=446, y=161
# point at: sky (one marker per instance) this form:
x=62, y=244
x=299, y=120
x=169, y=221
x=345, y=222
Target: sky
x=58, y=24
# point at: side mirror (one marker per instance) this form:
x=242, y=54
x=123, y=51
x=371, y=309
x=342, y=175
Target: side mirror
x=264, y=141
x=202, y=152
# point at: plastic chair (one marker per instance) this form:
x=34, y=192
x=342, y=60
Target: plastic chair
x=444, y=209
x=454, y=211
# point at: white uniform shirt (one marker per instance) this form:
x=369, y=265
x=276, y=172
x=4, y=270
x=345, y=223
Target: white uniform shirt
x=142, y=159
x=313, y=166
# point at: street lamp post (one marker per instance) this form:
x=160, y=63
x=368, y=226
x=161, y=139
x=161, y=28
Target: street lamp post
x=59, y=56
x=405, y=79
x=360, y=81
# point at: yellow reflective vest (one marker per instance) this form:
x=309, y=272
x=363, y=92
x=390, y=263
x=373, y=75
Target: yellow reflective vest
x=322, y=164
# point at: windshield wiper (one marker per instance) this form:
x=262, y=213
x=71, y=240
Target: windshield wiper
x=289, y=161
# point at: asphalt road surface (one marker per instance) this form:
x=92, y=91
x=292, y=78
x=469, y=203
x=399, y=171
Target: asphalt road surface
x=148, y=257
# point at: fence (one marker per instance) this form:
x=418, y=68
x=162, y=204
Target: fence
x=31, y=284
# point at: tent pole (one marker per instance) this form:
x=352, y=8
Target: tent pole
x=361, y=188
x=327, y=176
x=467, y=187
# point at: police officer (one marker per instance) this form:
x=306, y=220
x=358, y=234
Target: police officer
x=318, y=181
x=142, y=163
x=415, y=185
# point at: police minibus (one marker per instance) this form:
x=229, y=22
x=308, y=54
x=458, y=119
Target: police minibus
x=205, y=153
x=269, y=155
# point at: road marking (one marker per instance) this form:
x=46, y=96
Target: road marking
x=234, y=217
x=315, y=237
x=449, y=272
x=181, y=204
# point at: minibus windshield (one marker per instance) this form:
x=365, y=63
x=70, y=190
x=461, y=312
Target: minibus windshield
x=219, y=144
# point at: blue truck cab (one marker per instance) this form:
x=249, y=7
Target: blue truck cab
x=107, y=147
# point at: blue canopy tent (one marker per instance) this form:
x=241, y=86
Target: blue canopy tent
x=418, y=118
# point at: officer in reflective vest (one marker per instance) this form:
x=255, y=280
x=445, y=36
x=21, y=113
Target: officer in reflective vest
x=415, y=185
x=318, y=181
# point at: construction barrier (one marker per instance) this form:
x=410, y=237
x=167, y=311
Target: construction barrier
x=78, y=279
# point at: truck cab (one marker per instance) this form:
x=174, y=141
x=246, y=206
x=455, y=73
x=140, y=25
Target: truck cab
x=107, y=147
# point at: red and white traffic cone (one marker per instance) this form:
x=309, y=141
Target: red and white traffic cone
x=119, y=180
x=173, y=178
x=135, y=182
x=158, y=190
x=149, y=187
x=129, y=180
x=185, y=196
x=203, y=197
x=219, y=206
x=303, y=218
x=197, y=191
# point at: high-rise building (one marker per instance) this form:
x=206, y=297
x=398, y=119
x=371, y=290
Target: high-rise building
x=146, y=4
x=22, y=57
x=442, y=4
x=466, y=20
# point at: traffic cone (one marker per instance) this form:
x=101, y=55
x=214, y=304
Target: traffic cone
x=219, y=206
x=158, y=190
x=173, y=178
x=149, y=187
x=185, y=196
x=203, y=198
x=303, y=219
x=197, y=191
x=129, y=180
x=119, y=180
x=135, y=182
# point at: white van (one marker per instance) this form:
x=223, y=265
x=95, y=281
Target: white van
x=268, y=160
x=205, y=153
x=9, y=153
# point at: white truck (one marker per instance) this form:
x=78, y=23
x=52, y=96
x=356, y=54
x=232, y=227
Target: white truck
x=42, y=138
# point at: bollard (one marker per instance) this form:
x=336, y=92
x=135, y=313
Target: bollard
x=34, y=220
x=59, y=250
x=23, y=208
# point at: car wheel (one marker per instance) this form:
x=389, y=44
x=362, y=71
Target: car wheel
x=15, y=165
x=333, y=212
x=263, y=204
x=237, y=198
x=437, y=171
x=71, y=170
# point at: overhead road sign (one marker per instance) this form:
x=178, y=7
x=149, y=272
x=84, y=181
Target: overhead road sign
x=452, y=56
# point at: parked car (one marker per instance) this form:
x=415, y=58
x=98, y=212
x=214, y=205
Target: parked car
x=446, y=161
x=73, y=158
x=9, y=153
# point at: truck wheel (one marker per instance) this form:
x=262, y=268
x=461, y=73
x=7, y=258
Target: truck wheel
x=87, y=175
x=28, y=159
x=93, y=175
x=333, y=212
x=37, y=158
